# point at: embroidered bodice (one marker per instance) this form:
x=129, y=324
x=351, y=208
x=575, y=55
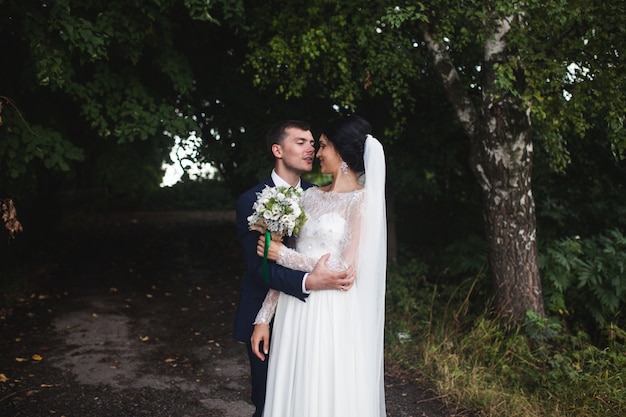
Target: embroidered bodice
x=332, y=226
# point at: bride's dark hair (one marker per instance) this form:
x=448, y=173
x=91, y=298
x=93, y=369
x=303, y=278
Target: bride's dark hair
x=347, y=135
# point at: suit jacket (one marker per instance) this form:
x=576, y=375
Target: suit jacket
x=253, y=287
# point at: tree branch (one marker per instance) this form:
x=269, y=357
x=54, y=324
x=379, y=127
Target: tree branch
x=12, y=103
x=453, y=86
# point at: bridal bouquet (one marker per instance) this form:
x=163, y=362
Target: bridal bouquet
x=277, y=212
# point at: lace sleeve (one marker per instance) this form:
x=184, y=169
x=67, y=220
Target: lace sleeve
x=266, y=313
x=291, y=259
x=350, y=244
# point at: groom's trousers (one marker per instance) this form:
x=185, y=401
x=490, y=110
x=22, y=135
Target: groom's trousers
x=258, y=376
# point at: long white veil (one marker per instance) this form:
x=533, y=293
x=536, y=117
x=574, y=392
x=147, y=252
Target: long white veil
x=372, y=269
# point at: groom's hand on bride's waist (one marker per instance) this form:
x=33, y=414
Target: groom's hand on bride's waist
x=323, y=278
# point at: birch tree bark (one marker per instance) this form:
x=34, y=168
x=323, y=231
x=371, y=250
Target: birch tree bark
x=501, y=159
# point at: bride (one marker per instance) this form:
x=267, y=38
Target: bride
x=327, y=353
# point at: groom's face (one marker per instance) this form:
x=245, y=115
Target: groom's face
x=296, y=150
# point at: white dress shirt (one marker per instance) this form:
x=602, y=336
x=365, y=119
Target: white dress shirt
x=279, y=182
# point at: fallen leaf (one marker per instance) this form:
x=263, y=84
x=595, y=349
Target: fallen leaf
x=20, y=359
x=3, y=378
x=37, y=357
x=94, y=315
x=169, y=360
x=144, y=338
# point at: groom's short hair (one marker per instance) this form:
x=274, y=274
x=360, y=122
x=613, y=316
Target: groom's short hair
x=276, y=133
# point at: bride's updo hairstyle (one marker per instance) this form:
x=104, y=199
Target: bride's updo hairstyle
x=348, y=137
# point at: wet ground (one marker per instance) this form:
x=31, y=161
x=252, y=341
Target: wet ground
x=134, y=318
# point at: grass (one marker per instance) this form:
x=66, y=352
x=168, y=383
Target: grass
x=536, y=369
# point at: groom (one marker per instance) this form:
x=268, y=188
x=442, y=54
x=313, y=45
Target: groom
x=292, y=145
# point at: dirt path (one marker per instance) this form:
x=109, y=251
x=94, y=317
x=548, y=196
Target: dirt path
x=135, y=319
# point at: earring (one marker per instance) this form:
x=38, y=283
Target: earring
x=344, y=167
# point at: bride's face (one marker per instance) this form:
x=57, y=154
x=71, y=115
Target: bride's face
x=328, y=156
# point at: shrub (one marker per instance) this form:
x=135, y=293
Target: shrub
x=586, y=276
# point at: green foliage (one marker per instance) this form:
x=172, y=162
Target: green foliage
x=573, y=57
x=541, y=329
x=333, y=51
x=588, y=196
x=408, y=289
x=536, y=369
x=396, y=16
x=586, y=276
x=23, y=146
x=556, y=60
x=465, y=257
x=94, y=70
x=425, y=295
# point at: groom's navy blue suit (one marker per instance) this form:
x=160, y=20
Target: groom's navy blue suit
x=254, y=289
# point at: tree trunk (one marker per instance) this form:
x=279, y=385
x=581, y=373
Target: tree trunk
x=502, y=161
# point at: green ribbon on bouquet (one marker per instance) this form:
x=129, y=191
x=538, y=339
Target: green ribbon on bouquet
x=266, y=274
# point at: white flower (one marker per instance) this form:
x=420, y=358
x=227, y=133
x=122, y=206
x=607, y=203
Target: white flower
x=296, y=211
x=279, y=210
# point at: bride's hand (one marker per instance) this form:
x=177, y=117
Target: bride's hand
x=260, y=340
x=274, y=249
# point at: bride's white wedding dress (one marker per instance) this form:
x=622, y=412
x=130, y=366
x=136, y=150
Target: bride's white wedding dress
x=318, y=363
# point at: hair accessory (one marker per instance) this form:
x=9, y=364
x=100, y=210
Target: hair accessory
x=344, y=167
